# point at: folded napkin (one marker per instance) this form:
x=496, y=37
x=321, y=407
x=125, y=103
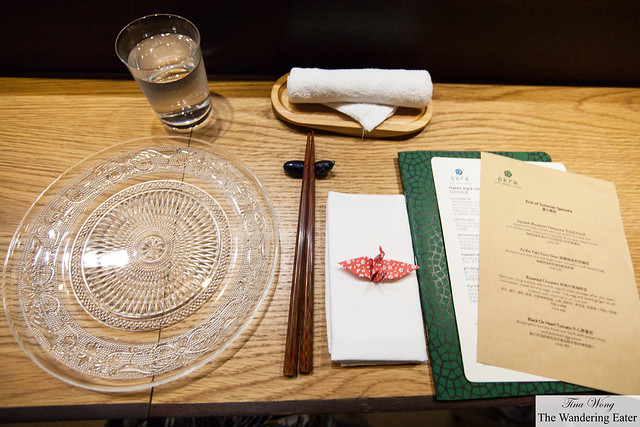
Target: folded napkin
x=367, y=322
x=368, y=95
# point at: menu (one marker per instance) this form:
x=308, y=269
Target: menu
x=557, y=292
x=457, y=184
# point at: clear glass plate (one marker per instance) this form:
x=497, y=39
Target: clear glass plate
x=140, y=264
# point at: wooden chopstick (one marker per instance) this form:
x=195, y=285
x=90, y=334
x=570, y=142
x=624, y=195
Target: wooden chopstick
x=306, y=331
x=302, y=272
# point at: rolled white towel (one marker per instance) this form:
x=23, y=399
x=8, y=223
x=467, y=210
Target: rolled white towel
x=399, y=88
x=368, y=95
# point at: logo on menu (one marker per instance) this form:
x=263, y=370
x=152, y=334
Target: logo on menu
x=458, y=176
x=508, y=179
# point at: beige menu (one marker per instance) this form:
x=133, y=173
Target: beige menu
x=557, y=293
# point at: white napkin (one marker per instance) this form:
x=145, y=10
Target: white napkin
x=368, y=95
x=367, y=322
x=368, y=115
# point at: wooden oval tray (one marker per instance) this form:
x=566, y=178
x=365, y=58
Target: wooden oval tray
x=404, y=121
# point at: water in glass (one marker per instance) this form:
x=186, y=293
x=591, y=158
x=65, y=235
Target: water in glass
x=170, y=71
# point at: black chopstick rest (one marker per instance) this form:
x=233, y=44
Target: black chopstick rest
x=294, y=168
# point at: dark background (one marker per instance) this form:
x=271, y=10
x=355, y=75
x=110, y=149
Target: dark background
x=485, y=41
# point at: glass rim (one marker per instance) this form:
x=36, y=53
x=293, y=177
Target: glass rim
x=149, y=17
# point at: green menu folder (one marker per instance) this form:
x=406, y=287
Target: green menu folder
x=435, y=288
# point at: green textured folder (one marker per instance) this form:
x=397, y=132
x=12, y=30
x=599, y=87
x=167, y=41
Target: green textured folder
x=435, y=288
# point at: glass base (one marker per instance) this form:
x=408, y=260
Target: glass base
x=187, y=120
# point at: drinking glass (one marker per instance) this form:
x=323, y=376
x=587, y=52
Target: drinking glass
x=163, y=54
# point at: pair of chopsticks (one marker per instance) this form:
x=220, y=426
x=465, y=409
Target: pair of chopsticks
x=298, y=355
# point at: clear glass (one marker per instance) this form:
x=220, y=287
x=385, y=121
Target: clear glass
x=142, y=263
x=163, y=54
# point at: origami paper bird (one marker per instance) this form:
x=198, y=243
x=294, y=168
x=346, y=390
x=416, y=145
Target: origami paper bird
x=378, y=268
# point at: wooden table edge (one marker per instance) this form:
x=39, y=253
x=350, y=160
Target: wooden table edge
x=281, y=408
x=330, y=406
x=96, y=411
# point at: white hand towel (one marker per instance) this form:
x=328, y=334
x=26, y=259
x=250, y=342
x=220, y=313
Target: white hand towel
x=368, y=115
x=372, y=93
x=367, y=322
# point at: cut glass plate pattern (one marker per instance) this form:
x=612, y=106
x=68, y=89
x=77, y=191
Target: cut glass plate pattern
x=140, y=264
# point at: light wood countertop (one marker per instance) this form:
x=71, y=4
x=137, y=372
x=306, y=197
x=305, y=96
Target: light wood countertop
x=49, y=125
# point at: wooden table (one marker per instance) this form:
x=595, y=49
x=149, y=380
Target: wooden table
x=49, y=125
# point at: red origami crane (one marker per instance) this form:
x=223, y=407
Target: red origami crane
x=378, y=269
